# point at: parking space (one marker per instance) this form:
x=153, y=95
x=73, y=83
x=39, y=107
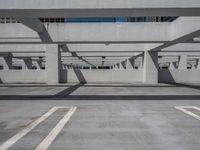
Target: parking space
x=100, y=124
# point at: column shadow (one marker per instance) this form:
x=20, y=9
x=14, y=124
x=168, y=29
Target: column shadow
x=69, y=90
x=165, y=76
x=80, y=76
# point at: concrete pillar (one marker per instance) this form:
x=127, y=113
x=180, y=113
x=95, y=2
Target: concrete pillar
x=172, y=66
x=115, y=67
x=118, y=66
x=150, y=67
x=124, y=64
x=130, y=64
x=63, y=66
x=140, y=65
x=7, y=63
x=26, y=63
x=198, y=64
x=182, y=62
x=39, y=64
x=53, y=63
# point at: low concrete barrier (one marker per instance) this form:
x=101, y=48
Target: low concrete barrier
x=22, y=76
x=104, y=76
x=179, y=76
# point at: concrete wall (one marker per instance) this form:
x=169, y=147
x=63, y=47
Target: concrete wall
x=22, y=76
x=179, y=76
x=105, y=76
x=99, y=76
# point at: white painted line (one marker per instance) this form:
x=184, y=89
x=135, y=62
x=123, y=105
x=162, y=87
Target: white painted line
x=183, y=109
x=27, y=129
x=56, y=130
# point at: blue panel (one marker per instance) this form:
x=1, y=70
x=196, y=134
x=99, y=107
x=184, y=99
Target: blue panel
x=121, y=19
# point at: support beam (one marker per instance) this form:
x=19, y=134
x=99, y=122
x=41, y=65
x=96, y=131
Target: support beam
x=74, y=54
x=156, y=33
x=96, y=8
x=37, y=26
x=33, y=23
x=150, y=67
x=181, y=33
x=7, y=63
x=53, y=64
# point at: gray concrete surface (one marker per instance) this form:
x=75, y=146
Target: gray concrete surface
x=103, y=124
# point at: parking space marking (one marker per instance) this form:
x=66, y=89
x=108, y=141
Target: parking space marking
x=54, y=133
x=184, y=110
x=27, y=129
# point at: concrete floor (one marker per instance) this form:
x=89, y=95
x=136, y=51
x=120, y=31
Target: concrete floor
x=121, y=124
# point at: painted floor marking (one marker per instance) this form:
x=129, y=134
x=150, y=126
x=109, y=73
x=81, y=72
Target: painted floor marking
x=27, y=129
x=56, y=130
x=184, y=110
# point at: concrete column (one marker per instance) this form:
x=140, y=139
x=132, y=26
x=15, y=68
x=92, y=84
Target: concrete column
x=118, y=66
x=150, y=67
x=171, y=66
x=7, y=63
x=53, y=63
x=121, y=65
x=115, y=67
x=39, y=64
x=198, y=64
x=182, y=62
x=140, y=65
x=194, y=66
x=130, y=64
x=26, y=63
x=124, y=64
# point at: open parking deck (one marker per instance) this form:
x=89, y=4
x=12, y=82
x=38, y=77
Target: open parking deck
x=91, y=75
x=34, y=122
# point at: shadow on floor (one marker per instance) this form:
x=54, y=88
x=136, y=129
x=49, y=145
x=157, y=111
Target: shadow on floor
x=187, y=85
x=65, y=94
x=69, y=90
x=100, y=97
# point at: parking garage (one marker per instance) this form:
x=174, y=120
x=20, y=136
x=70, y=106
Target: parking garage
x=99, y=74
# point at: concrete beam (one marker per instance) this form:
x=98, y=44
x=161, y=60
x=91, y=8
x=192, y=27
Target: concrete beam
x=167, y=33
x=98, y=33
x=79, y=48
x=36, y=25
x=183, y=47
x=182, y=30
x=33, y=23
x=74, y=54
x=97, y=8
x=26, y=48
